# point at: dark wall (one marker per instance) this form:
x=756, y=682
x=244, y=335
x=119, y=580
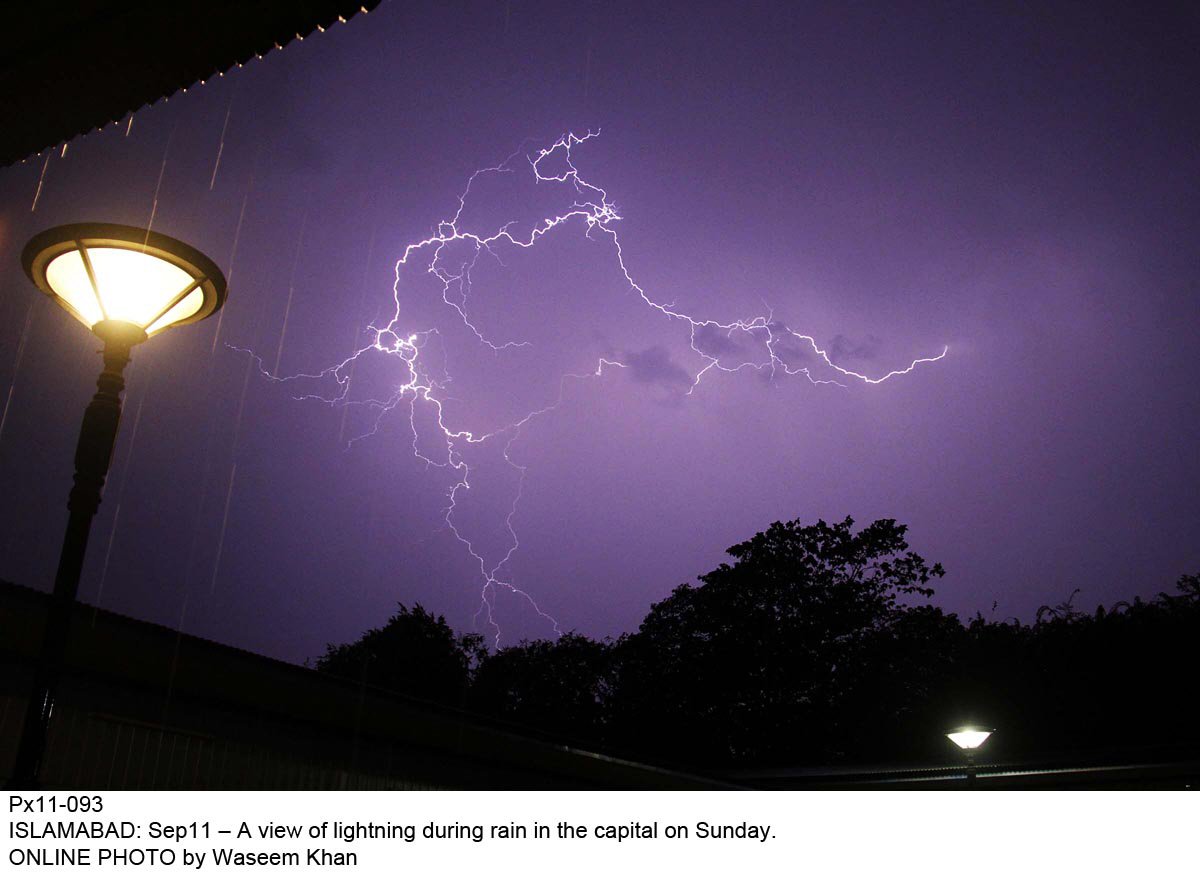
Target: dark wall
x=144, y=706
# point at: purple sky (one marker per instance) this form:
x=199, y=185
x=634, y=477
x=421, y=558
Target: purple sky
x=1020, y=187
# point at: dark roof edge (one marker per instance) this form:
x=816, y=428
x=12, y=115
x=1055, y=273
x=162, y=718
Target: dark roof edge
x=23, y=75
x=492, y=725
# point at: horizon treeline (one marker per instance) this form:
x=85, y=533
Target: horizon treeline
x=817, y=645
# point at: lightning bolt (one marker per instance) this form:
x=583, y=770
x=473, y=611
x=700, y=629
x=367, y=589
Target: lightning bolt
x=778, y=348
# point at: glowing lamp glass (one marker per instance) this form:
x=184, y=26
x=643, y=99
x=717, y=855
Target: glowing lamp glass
x=102, y=272
x=969, y=739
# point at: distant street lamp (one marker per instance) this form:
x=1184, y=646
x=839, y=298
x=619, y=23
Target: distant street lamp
x=969, y=739
x=125, y=284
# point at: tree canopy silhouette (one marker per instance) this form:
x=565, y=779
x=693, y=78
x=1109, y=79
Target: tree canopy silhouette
x=817, y=645
x=556, y=686
x=770, y=656
x=414, y=653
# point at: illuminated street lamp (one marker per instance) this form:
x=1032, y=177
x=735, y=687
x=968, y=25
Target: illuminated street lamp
x=969, y=739
x=124, y=284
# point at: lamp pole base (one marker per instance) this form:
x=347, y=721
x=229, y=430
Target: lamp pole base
x=93, y=455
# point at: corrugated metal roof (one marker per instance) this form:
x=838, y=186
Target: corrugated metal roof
x=69, y=68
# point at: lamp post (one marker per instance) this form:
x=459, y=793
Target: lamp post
x=969, y=739
x=125, y=284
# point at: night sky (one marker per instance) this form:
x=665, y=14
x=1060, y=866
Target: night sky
x=1018, y=185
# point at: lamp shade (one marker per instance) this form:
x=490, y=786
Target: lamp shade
x=969, y=738
x=106, y=272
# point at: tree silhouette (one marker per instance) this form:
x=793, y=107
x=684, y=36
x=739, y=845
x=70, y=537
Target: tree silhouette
x=1119, y=680
x=769, y=657
x=414, y=653
x=1065, y=611
x=555, y=686
x=815, y=647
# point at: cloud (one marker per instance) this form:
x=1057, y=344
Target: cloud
x=842, y=348
x=792, y=351
x=654, y=366
x=714, y=341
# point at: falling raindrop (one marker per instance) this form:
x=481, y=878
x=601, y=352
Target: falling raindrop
x=237, y=428
x=7, y=403
x=224, y=524
x=41, y=180
x=104, y=568
x=291, y=292
x=174, y=668
x=137, y=419
x=16, y=366
x=221, y=146
x=237, y=233
x=158, y=186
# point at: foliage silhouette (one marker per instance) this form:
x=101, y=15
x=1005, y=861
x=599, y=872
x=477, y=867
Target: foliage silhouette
x=771, y=656
x=817, y=645
x=1117, y=680
x=414, y=653
x=556, y=686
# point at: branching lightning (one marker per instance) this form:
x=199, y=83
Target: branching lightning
x=780, y=349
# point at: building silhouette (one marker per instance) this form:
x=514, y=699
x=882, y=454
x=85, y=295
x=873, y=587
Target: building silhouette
x=142, y=706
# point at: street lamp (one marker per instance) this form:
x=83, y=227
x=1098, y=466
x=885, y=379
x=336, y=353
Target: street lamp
x=124, y=284
x=969, y=739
